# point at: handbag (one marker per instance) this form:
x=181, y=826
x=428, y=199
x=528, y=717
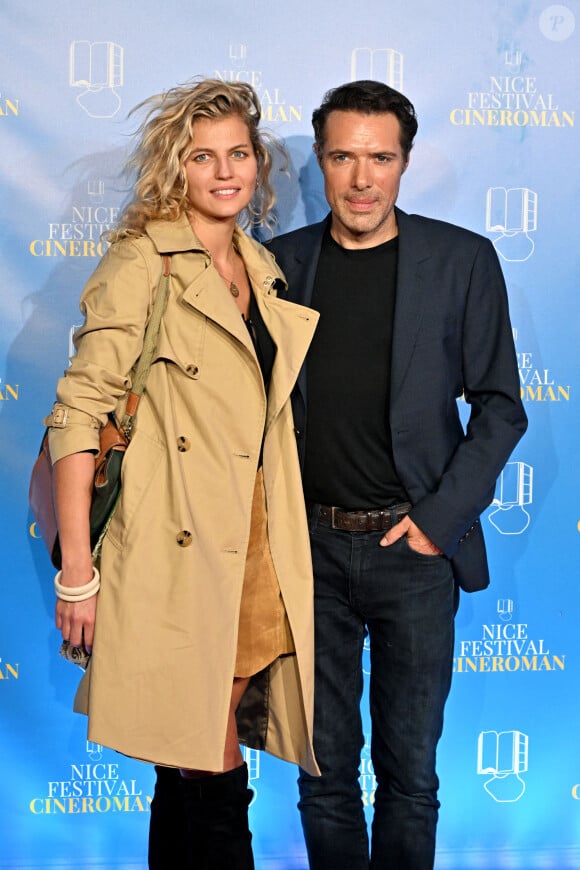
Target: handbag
x=114, y=439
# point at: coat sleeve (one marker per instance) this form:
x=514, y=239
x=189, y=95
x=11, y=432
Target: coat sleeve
x=497, y=418
x=115, y=303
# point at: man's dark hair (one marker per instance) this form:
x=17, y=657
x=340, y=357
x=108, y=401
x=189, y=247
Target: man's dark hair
x=371, y=98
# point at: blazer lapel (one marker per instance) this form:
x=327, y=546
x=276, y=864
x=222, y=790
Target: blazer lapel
x=412, y=285
x=299, y=266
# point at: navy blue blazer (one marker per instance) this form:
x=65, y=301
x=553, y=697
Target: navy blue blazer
x=452, y=337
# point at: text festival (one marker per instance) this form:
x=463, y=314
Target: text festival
x=79, y=237
x=92, y=788
x=512, y=101
x=536, y=385
x=506, y=648
x=274, y=108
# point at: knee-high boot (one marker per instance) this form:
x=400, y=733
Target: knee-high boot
x=168, y=831
x=217, y=815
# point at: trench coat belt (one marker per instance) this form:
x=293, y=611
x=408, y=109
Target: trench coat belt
x=374, y=520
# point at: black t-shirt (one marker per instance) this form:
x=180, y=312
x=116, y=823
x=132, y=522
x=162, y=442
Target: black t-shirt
x=349, y=458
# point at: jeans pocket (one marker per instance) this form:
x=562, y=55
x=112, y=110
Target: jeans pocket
x=407, y=546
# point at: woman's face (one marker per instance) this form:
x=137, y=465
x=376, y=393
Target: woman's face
x=221, y=169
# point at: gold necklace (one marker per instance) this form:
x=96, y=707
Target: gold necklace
x=229, y=282
x=234, y=289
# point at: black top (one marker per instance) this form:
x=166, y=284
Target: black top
x=264, y=347
x=262, y=340
x=349, y=458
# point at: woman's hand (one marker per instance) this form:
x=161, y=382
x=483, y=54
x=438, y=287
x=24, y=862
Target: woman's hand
x=73, y=486
x=76, y=622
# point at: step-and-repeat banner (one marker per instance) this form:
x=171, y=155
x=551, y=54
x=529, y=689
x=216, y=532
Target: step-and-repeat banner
x=495, y=85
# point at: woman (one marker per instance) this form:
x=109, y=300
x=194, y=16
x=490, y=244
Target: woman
x=204, y=610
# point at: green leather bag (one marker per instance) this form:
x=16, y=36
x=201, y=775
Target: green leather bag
x=114, y=440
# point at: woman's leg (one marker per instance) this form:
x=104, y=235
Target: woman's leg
x=217, y=805
x=232, y=754
x=168, y=836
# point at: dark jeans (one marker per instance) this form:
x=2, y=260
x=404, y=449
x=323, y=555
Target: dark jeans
x=407, y=602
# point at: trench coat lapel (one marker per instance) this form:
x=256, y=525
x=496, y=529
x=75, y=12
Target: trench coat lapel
x=208, y=294
x=291, y=327
x=204, y=288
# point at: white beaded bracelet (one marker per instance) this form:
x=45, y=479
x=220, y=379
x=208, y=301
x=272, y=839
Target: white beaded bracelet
x=77, y=593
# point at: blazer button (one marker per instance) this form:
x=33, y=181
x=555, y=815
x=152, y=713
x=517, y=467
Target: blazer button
x=192, y=370
x=183, y=444
x=184, y=538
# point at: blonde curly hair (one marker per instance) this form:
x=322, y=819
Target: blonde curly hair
x=164, y=144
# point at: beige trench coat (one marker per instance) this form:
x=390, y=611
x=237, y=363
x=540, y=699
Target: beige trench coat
x=159, y=683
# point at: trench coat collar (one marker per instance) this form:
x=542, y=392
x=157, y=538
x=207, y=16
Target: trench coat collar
x=290, y=326
x=201, y=282
x=172, y=237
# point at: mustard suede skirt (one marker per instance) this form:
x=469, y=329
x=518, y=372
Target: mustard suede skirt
x=264, y=631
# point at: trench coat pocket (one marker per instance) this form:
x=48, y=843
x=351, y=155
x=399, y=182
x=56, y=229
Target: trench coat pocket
x=142, y=464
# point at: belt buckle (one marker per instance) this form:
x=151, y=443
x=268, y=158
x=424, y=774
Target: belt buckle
x=333, y=510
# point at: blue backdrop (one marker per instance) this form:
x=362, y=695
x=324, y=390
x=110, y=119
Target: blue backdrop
x=495, y=85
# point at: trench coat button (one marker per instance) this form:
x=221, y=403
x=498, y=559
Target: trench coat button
x=184, y=538
x=183, y=444
x=192, y=370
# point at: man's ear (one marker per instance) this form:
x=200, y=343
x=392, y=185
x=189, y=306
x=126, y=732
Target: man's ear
x=318, y=153
x=405, y=167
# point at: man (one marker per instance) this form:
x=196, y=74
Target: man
x=413, y=315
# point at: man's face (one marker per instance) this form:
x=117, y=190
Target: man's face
x=362, y=163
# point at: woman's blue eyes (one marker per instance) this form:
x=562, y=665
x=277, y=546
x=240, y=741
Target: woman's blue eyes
x=204, y=157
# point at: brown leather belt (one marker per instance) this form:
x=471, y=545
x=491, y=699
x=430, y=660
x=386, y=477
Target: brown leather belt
x=378, y=520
